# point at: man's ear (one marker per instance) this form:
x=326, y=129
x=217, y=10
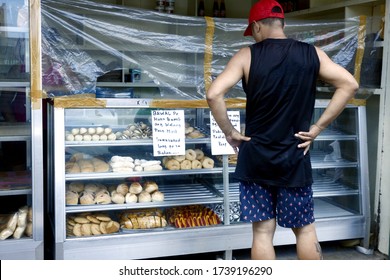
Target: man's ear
x=256, y=27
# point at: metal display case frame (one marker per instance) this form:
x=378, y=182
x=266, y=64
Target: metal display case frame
x=225, y=237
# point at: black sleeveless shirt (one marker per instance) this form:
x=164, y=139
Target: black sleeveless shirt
x=280, y=96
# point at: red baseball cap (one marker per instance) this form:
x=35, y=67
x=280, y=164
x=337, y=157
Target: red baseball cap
x=261, y=10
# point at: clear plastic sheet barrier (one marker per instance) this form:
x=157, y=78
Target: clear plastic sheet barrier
x=116, y=51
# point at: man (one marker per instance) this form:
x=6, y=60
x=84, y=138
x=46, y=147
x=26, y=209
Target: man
x=279, y=78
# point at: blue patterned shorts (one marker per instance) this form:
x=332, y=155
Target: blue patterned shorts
x=293, y=207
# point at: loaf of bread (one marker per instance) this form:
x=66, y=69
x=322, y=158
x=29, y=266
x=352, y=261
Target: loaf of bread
x=142, y=220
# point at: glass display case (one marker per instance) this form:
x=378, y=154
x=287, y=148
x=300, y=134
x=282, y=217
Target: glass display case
x=21, y=168
x=105, y=158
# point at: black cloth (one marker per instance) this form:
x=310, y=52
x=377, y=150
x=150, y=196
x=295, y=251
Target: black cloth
x=280, y=102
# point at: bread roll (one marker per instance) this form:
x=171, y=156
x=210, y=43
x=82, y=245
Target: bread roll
x=87, y=198
x=95, y=229
x=173, y=164
x=81, y=220
x=117, y=198
x=86, y=229
x=77, y=230
x=199, y=154
x=186, y=164
x=112, y=226
x=91, y=187
x=150, y=186
x=103, y=197
x=207, y=162
x=76, y=157
x=29, y=229
x=144, y=196
x=131, y=198
x=157, y=196
x=196, y=164
x=93, y=219
x=72, y=198
x=179, y=158
x=72, y=167
x=122, y=188
x=86, y=166
x=76, y=186
x=190, y=154
x=135, y=188
x=5, y=233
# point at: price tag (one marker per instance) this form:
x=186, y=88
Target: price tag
x=219, y=145
x=168, y=132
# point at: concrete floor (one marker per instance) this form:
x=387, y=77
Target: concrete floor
x=334, y=250
x=330, y=250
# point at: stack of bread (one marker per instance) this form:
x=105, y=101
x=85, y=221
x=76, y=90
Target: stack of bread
x=137, y=192
x=128, y=164
x=192, y=216
x=192, y=159
x=83, y=163
x=137, y=130
x=90, y=134
x=147, y=219
x=87, y=224
x=96, y=193
x=16, y=224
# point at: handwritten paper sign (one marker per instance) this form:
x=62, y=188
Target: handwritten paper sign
x=168, y=132
x=219, y=145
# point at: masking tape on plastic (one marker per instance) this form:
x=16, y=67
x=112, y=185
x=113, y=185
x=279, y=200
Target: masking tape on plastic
x=360, y=48
x=36, y=97
x=166, y=103
x=358, y=102
x=79, y=101
x=208, y=51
